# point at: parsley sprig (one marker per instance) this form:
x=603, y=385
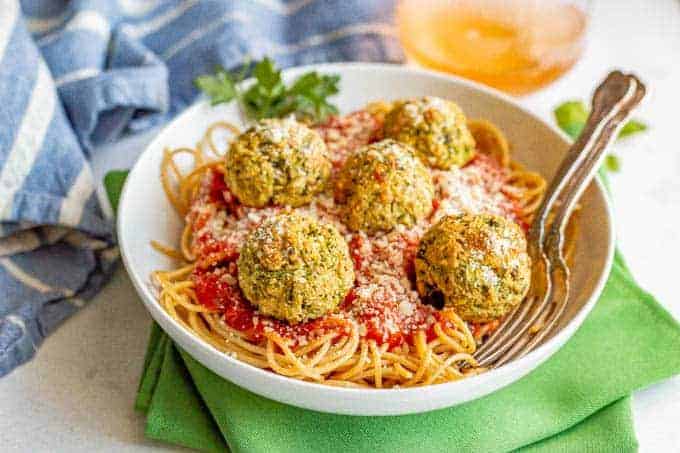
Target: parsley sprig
x=269, y=97
x=571, y=118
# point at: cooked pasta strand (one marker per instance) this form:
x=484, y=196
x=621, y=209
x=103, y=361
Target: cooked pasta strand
x=339, y=357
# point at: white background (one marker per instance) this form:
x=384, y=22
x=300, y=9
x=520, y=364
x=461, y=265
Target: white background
x=78, y=393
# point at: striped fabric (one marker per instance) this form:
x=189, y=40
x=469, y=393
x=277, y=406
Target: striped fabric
x=74, y=74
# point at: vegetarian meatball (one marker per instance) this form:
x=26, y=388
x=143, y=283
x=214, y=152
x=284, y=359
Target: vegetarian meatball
x=436, y=128
x=280, y=162
x=294, y=268
x=383, y=185
x=476, y=264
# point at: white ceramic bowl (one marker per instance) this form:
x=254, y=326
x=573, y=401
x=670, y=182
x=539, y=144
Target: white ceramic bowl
x=146, y=214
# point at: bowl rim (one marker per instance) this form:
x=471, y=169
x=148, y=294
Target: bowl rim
x=519, y=367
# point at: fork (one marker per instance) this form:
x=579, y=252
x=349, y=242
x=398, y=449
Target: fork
x=533, y=320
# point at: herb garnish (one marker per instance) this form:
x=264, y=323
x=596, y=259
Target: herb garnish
x=571, y=118
x=269, y=97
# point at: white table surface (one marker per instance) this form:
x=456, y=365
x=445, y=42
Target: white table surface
x=78, y=392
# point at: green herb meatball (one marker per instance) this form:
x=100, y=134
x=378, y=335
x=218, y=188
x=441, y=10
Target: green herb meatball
x=294, y=268
x=383, y=185
x=279, y=162
x=436, y=128
x=476, y=264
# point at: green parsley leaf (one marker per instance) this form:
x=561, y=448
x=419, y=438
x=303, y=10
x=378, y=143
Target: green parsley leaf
x=632, y=127
x=220, y=87
x=268, y=77
x=612, y=163
x=265, y=98
x=310, y=92
x=571, y=117
x=269, y=97
x=113, y=183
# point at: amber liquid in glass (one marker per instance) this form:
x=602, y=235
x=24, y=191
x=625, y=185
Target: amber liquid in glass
x=515, y=45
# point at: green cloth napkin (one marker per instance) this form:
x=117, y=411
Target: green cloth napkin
x=576, y=401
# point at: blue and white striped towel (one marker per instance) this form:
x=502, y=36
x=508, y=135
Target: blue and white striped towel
x=76, y=73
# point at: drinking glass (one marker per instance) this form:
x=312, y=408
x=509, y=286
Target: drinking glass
x=515, y=45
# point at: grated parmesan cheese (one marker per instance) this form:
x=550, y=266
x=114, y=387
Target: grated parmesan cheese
x=384, y=294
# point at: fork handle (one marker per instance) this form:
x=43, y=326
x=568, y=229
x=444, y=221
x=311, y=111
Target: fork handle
x=613, y=101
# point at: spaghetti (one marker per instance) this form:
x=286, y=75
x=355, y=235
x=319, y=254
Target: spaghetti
x=382, y=335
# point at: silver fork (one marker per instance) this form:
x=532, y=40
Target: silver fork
x=526, y=327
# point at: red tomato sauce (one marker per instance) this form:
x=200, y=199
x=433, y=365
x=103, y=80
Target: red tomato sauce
x=380, y=317
x=222, y=294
